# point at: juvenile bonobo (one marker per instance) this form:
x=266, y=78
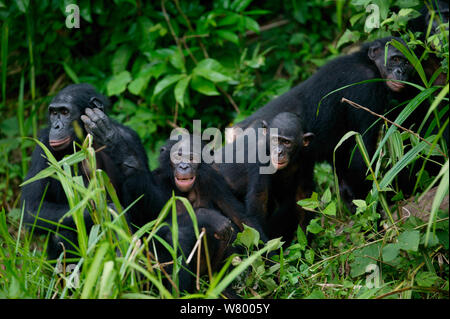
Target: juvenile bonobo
x=270, y=195
x=65, y=108
x=333, y=119
x=181, y=171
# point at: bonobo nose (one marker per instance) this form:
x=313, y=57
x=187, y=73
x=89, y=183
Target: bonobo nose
x=398, y=72
x=183, y=165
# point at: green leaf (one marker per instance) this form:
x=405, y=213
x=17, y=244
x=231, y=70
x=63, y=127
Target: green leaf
x=120, y=59
x=212, y=70
x=228, y=35
x=211, y=75
x=348, y=37
x=107, y=281
x=316, y=294
x=240, y=5
x=426, y=279
x=309, y=255
x=180, y=89
x=23, y=5
x=177, y=61
x=94, y=270
x=362, y=260
x=118, y=83
x=166, y=82
x=390, y=252
x=203, y=86
x=310, y=203
x=301, y=238
x=248, y=237
x=409, y=240
x=326, y=197
x=314, y=227
x=137, y=85
x=251, y=24
x=330, y=209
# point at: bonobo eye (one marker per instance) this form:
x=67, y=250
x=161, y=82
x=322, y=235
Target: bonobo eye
x=64, y=111
x=52, y=112
x=396, y=59
x=287, y=143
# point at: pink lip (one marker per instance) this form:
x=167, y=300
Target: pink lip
x=395, y=86
x=58, y=144
x=280, y=165
x=184, y=183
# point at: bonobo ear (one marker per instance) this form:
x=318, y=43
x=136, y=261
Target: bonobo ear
x=374, y=51
x=96, y=103
x=307, y=138
x=265, y=126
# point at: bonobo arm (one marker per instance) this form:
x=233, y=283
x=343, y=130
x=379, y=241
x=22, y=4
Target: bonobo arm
x=215, y=187
x=257, y=200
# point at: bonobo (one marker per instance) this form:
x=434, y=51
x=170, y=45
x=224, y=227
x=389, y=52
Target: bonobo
x=219, y=232
x=182, y=171
x=66, y=107
x=333, y=119
x=270, y=196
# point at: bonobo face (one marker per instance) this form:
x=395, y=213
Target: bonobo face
x=184, y=164
x=61, y=115
x=281, y=149
x=397, y=66
x=285, y=145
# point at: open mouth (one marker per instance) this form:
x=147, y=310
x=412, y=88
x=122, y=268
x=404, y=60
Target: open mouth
x=395, y=86
x=60, y=144
x=184, y=183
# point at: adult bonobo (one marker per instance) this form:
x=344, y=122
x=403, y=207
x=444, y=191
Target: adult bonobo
x=69, y=106
x=269, y=182
x=333, y=119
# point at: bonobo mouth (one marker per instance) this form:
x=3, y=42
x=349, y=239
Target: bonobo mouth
x=395, y=86
x=184, y=182
x=280, y=163
x=60, y=144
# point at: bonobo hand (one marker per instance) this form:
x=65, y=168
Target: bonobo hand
x=100, y=127
x=106, y=132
